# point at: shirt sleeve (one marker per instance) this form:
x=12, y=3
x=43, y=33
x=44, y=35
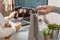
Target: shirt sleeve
x=6, y=31
x=56, y=9
x=6, y=19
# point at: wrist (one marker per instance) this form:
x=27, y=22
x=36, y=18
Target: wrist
x=14, y=28
x=9, y=17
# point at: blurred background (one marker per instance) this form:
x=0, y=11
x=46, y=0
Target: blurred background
x=7, y=5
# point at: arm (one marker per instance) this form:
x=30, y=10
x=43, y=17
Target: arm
x=43, y=10
x=56, y=9
x=7, y=19
x=6, y=31
x=11, y=16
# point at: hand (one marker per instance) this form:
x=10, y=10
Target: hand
x=8, y=37
x=12, y=14
x=8, y=25
x=21, y=10
x=43, y=10
x=17, y=26
x=25, y=10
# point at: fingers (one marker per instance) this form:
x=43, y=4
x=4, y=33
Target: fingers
x=20, y=10
x=43, y=12
x=44, y=9
x=39, y=7
x=25, y=10
x=12, y=14
x=18, y=24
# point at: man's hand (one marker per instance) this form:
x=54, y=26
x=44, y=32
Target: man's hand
x=18, y=25
x=43, y=10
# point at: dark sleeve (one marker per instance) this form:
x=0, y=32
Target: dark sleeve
x=56, y=9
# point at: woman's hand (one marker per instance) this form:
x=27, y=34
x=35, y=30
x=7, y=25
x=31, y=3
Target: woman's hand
x=12, y=14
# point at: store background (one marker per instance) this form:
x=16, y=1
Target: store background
x=30, y=3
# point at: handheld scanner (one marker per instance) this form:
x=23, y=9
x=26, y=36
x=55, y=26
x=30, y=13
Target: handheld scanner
x=16, y=9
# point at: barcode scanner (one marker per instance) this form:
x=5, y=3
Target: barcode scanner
x=16, y=9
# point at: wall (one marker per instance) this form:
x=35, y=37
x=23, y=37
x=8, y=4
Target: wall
x=30, y=3
x=53, y=17
x=54, y=3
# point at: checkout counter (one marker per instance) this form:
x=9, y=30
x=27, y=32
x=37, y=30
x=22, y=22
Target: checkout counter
x=33, y=31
